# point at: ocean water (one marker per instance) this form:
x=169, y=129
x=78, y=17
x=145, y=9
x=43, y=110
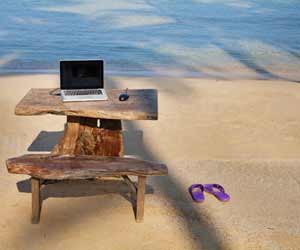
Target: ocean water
x=194, y=38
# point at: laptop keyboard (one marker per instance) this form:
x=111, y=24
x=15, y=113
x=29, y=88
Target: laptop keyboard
x=83, y=92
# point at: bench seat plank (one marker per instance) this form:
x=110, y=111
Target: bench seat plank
x=60, y=167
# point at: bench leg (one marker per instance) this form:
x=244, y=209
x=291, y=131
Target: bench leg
x=36, y=200
x=140, y=200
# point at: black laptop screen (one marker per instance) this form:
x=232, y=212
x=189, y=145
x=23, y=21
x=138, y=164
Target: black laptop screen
x=81, y=74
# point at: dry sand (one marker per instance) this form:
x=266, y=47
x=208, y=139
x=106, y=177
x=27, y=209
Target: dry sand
x=243, y=134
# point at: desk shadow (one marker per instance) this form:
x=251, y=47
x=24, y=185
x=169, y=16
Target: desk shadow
x=46, y=140
x=132, y=141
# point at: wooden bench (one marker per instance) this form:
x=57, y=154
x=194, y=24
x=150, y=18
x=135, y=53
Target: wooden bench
x=43, y=167
x=92, y=144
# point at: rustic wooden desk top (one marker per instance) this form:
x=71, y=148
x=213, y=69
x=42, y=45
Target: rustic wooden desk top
x=141, y=105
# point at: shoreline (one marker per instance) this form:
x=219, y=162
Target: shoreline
x=291, y=77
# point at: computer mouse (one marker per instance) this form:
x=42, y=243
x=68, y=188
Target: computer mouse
x=123, y=97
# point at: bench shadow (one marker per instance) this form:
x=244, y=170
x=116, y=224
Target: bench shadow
x=80, y=188
x=83, y=188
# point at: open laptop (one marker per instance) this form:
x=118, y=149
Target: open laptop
x=82, y=80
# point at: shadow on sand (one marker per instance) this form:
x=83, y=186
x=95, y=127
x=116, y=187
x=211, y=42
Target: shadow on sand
x=203, y=233
x=81, y=188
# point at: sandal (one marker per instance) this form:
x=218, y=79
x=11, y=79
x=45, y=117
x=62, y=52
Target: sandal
x=196, y=191
x=218, y=191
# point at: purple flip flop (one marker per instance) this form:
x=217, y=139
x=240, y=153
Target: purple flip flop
x=217, y=190
x=196, y=191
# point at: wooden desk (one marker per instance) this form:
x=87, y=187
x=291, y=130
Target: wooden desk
x=91, y=144
x=93, y=128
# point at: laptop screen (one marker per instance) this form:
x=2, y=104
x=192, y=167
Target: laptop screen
x=81, y=74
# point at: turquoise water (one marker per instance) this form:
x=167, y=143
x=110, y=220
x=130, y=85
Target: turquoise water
x=247, y=38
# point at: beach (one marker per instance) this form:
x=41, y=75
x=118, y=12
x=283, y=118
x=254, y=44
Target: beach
x=242, y=134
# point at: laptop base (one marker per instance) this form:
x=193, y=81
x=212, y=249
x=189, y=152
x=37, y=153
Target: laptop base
x=83, y=98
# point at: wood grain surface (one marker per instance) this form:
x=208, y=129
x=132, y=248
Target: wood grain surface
x=60, y=167
x=83, y=136
x=141, y=105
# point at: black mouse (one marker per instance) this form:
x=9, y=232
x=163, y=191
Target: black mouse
x=123, y=97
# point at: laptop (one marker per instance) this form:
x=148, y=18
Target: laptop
x=82, y=81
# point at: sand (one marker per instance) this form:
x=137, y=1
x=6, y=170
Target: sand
x=243, y=134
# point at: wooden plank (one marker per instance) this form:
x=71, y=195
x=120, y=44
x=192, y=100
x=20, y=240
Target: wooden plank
x=36, y=200
x=60, y=167
x=140, y=200
x=141, y=105
x=83, y=137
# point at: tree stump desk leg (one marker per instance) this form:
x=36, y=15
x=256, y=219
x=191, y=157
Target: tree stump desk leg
x=140, y=199
x=36, y=200
x=88, y=136
x=84, y=136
